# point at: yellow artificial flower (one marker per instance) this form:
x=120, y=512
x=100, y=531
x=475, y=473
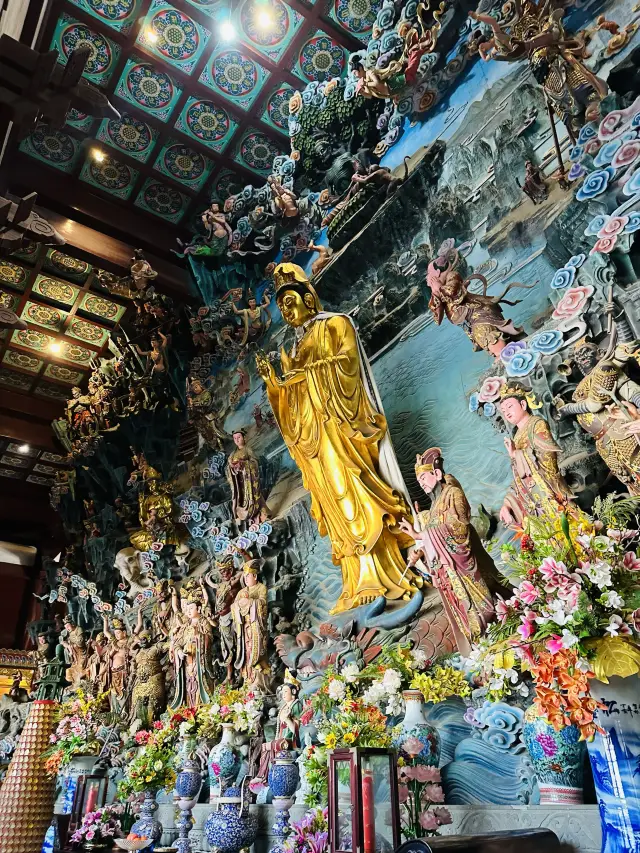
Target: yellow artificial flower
x=349, y=737
x=330, y=740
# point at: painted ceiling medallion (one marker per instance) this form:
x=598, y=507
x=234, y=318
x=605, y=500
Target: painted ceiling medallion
x=234, y=73
x=52, y=145
x=356, y=16
x=258, y=151
x=13, y=274
x=63, y=374
x=207, y=121
x=183, y=163
x=31, y=339
x=278, y=107
x=162, y=200
x=177, y=35
x=321, y=59
x=112, y=10
x=43, y=315
x=11, y=379
x=87, y=332
x=57, y=291
x=21, y=360
x=150, y=88
x=72, y=352
x=130, y=134
x=226, y=184
x=265, y=36
x=111, y=174
x=77, y=35
x=102, y=307
x=66, y=265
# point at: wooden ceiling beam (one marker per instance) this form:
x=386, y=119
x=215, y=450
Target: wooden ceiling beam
x=28, y=430
x=33, y=407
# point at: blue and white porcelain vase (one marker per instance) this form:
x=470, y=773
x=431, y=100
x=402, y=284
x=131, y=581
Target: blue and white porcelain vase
x=67, y=782
x=224, y=761
x=146, y=824
x=414, y=726
x=230, y=827
x=615, y=759
x=557, y=758
x=284, y=775
x=188, y=785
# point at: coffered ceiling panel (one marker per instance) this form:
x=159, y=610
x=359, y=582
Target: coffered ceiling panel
x=203, y=88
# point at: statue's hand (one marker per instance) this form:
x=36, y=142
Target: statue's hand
x=408, y=528
x=508, y=443
x=265, y=368
x=558, y=402
x=506, y=517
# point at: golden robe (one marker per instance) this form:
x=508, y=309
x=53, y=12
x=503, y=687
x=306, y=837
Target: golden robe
x=334, y=433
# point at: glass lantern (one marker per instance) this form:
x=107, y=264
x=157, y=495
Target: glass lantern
x=364, y=810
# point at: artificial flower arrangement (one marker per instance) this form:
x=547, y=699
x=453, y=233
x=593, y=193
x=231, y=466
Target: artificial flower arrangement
x=574, y=614
x=81, y=719
x=154, y=766
x=420, y=794
x=101, y=825
x=241, y=707
x=310, y=834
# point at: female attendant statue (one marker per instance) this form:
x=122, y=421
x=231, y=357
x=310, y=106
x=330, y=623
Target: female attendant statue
x=243, y=475
x=117, y=655
x=250, y=621
x=538, y=486
x=446, y=544
x=76, y=648
x=190, y=645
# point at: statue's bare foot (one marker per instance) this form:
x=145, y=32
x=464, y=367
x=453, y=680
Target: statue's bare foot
x=366, y=598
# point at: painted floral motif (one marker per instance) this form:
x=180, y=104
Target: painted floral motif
x=595, y=225
x=72, y=352
x=183, y=163
x=511, y=349
x=42, y=315
x=605, y=154
x=573, y=303
x=321, y=59
x=265, y=36
x=56, y=290
x=258, y=151
x=112, y=10
x=152, y=89
x=356, y=16
x=46, y=456
x=161, y=199
x=11, y=379
x=207, y=121
x=177, y=35
x=44, y=469
x=234, y=73
x=31, y=339
x=62, y=374
x=130, y=134
x=594, y=184
x=87, y=332
x=67, y=265
x=563, y=277
x=490, y=390
x=7, y=472
x=20, y=359
x=627, y=154
x=101, y=307
x=13, y=274
x=604, y=245
x=53, y=145
x=110, y=174
x=79, y=120
x=278, y=107
x=78, y=35
x=557, y=756
x=51, y=391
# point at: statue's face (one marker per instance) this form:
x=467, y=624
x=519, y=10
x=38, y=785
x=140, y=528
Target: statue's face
x=226, y=572
x=513, y=410
x=238, y=439
x=250, y=579
x=287, y=693
x=76, y=392
x=429, y=480
x=119, y=634
x=197, y=387
x=252, y=303
x=42, y=640
x=191, y=609
x=295, y=309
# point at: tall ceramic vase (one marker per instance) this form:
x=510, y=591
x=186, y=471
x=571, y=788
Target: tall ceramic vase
x=615, y=761
x=146, y=824
x=224, y=762
x=557, y=758
x=283, y=781
x=414, y=728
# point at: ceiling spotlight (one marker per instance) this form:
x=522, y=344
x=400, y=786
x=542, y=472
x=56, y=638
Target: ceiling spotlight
x=264, y=19
x=227, y=31
x=55, y=347
x=98, y=155
x=151, y=35
x=24, y=448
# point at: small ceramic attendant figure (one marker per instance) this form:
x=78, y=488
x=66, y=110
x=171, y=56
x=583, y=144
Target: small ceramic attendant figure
x=243, y=474
x=451, y=555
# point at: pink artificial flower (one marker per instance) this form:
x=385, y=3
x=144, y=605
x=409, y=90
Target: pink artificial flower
x=527, y=592
x=525, y=654
x=256, y=785
x=428, y=821
x=90, y=833
x=433, y=793
x=605, y=245
x=631, y=562
x=525, y=630
x=443, y=815
x=502, y=609
x=403, y=793
x=225, y=710
x=550, y=567
x=424, y=773
x=216, y=769
x=554, y=644
x=634, y=618
x=412, y=746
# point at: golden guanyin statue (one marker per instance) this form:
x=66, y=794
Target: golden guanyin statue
x=330, y=415
x=155, y=514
